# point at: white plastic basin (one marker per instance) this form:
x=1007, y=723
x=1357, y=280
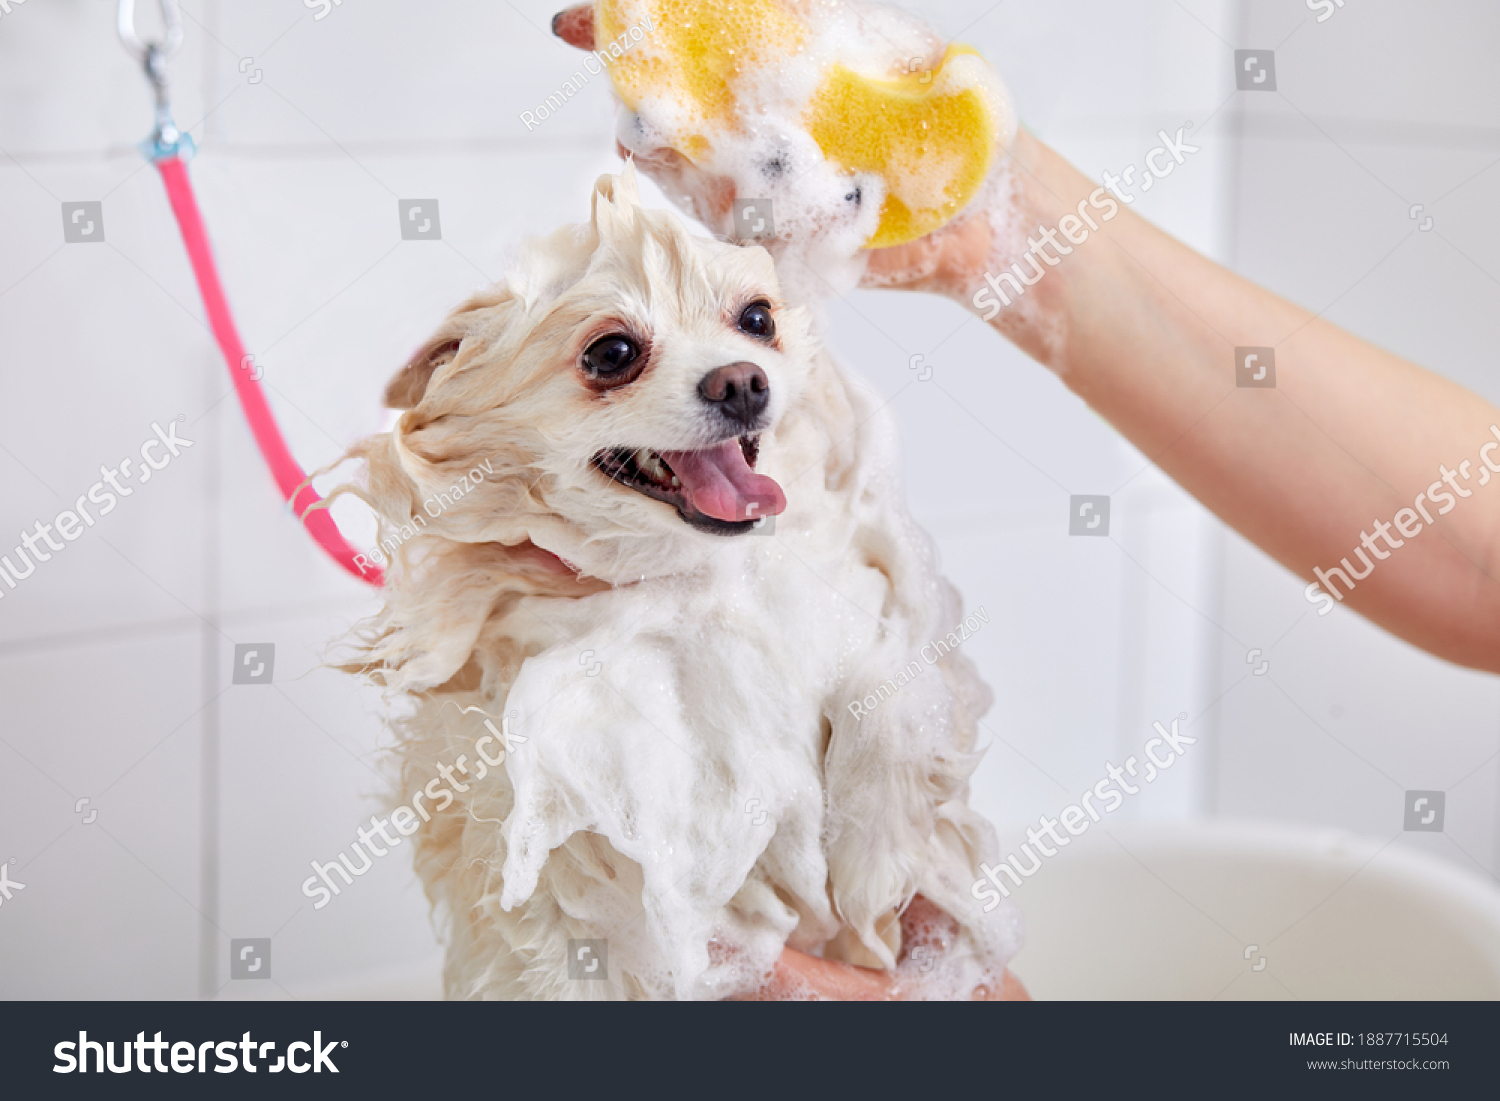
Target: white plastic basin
x=1173, y=910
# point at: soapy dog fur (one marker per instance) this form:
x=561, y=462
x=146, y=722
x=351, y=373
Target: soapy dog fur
x=682, y=777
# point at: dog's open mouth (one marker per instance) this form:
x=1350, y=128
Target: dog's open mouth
x=715, y=489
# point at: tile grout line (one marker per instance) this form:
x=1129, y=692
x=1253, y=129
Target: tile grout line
x=1132, y=645
x=1216, y=541
x=400, y=148
x=209, y=742
x=1243, y=122
x=1218, y=683
x=208, y=796
x=134, y=631
x=1495, y=850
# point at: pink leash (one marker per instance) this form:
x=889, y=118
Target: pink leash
x=166, y=148
x=290, y=478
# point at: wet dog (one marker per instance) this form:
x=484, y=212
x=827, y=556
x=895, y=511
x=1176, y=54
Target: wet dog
x=664, y=668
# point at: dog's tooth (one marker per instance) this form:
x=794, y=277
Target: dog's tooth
x=650, y=463
x=676, y=481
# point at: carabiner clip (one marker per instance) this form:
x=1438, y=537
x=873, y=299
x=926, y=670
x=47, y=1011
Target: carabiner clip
x=166, y=140
x=170, y=15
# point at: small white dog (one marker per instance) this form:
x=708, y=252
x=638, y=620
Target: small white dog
x=683, y=783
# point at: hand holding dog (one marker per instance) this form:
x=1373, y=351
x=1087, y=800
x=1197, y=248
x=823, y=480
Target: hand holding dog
x=801, y=977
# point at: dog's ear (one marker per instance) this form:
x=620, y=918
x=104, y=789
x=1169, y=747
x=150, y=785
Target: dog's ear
x=410, y=383
x=616, y=200
x=409, y=387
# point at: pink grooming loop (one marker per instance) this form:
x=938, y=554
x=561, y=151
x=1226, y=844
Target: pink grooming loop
x=289, y=476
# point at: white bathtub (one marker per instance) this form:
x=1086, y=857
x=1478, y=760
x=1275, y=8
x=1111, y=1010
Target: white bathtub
x=1190, y=910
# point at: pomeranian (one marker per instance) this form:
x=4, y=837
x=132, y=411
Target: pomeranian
x=676, y=671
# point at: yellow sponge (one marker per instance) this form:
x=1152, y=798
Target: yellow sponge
x=929, y=134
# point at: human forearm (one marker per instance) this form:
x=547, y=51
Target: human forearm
x=1145, y=330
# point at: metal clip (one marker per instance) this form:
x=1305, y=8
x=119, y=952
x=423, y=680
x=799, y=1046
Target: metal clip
x=166, y=140
x=171, y=16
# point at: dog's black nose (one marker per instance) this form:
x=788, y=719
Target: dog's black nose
x=740, y=391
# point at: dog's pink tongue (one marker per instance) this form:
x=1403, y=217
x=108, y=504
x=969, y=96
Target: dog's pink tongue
x=719, y=483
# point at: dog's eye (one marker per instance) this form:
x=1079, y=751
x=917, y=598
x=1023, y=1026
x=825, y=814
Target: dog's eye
x=609, y=356
x=756, y=320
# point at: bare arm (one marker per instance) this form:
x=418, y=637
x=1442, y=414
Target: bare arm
x=1144, y=330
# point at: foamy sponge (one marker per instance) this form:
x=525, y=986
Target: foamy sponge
x=930, y=134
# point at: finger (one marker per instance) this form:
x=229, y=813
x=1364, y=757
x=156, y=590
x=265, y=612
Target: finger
x=1012, y=990
x=943, y=262
x=901, y=265
x=575, y=26
x=800, y=977
x=1009, y=990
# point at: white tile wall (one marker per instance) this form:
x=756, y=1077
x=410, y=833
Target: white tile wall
x=115, y=657
x=1381, y=107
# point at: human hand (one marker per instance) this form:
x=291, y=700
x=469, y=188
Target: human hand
x=950, y=261
x=801, y=977
x=708, y=196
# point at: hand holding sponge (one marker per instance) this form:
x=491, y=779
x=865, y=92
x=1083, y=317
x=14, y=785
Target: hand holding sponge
x=757, y=89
